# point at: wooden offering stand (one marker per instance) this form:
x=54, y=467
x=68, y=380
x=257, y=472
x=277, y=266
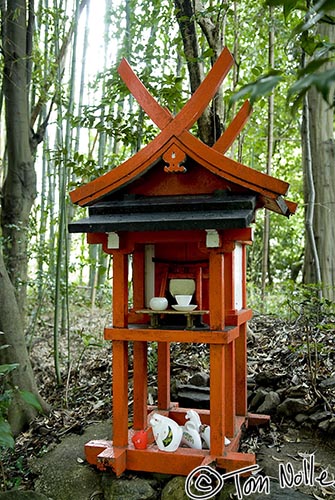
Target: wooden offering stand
x=178, y=209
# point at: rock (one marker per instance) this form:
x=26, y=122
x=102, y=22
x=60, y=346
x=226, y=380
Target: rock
x=319, y=416
x=296, y=380
x=67, y=480
x=327, y=383
x=301, y=418
x=250, y=395
x=127, y=489
x=22, y=495
x=297, y=391
x=331, y=426
x=290, y=407
x=200, y=379
x=328, y=426
x=193, y=396
x=268, y=379
x=175, y=489
x=251, y=382
x=228, y=491
x=282, y=393
x=323, y=426
x=62, y=474
x=257, y=399
x=270, y=404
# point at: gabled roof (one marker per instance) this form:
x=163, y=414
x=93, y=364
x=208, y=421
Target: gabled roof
x=175, y=143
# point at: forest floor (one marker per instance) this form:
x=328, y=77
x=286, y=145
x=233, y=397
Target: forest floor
x=292, y=359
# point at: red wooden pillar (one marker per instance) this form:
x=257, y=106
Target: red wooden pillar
x=217, y=391
x=216, y=291
x=241, y=347
x=217, y=353
x=229, y=278
x=230, y=389
x=120, y=392
x=138, y=278
x=241, y=371
x=198, y=291
x=163, y=375
x=120, y=290
x=140, y=380
x=140, y=384
x=163, y=348
x=244, y=275
x=120, y=350
x=229, y=290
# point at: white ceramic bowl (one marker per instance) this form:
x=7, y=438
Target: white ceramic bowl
x=183, y=300
x=158, y=303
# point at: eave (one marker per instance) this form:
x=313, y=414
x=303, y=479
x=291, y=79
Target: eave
x=219, y=211
x=269, y=188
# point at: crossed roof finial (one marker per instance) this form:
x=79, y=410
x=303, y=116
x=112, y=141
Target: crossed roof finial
x=194, y=108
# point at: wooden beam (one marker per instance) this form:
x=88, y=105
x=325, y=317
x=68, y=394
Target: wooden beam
x=217, y=398
x=216, y=290
x=120, y=289
x=120, y=393
x=230, y=390
x=160, y=335
x=234, y=128
x=140, y=383
x=163, y=375
x=241, y=371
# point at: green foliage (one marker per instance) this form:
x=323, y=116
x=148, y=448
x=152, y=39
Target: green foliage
x=304, y=301
x=316, y=315
x=322, y=81
x=318, y=12
x=6, y=437
x=6, y=397
x=89, y=341
x=293, y=301
x=30, y=398
x=261, y=87
x=302, y=37
x=152, y=358
x=7, y=368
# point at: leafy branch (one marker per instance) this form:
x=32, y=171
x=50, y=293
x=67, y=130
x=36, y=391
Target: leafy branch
x=320, y=51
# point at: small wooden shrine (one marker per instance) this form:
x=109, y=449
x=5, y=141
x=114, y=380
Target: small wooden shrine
x=179, y=212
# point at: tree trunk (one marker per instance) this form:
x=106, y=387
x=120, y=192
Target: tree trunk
x=19, y=192
x=322, y=146
x=266, y=277
x=19, y=189
x=210, y=124
x=20, y=413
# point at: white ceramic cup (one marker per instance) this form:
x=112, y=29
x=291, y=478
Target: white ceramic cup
x=183, y=300
x=158, y=303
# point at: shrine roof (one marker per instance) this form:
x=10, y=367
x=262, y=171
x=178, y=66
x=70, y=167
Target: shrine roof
x=174, y=145
x=218, y=211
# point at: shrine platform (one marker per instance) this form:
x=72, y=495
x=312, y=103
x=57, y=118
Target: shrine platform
x=104, y=455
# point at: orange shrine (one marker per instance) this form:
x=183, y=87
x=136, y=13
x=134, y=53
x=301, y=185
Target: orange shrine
x=180, y=212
